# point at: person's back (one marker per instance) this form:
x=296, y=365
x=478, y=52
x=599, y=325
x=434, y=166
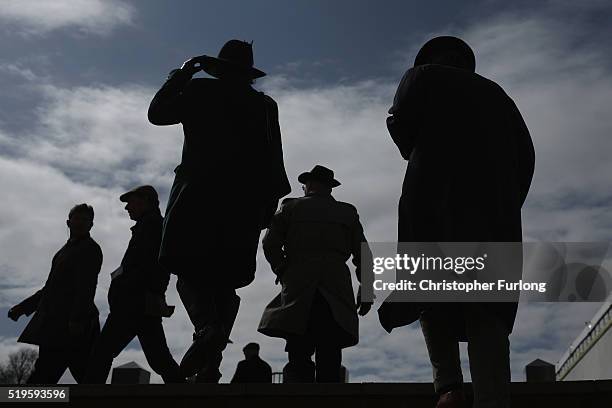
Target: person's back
x=470, y=163
x=466, y=156
x=321, y=228
x=215, y=210
x=308, y=243
x=225, y=125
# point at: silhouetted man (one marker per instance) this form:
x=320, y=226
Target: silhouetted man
x=470, y=165
x=137, y=295
x=252, y=369
x=65, y=322
x=225, y=191
x=308, y=243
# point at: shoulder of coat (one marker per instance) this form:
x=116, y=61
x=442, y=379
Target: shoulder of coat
x=268, y=100
x=348, y=206
x=288, y=200
x=211, y=81
x=197, y=85
x=95, y=247
x=204, y=82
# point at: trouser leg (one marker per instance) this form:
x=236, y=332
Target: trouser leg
x=78, y=363
x=49, y=366
x=153, y=342
x=300, y=368
x=116, y=334
x=443, y=348
x=328, y=364
x=212, y=308
x=325, y=331
x=489, y=352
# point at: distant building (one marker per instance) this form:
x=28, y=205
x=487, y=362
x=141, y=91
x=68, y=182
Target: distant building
x=590, y=355
x=539, y=371
x=277, y=376
x=130, y=373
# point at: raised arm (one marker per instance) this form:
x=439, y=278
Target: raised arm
x=167, y=105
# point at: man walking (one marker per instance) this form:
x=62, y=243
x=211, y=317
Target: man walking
x=65, y=322
x=470, y=165
x=137, y=295
x=225, y=192
x=308, y=243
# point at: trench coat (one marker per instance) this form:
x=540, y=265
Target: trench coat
x=67, y=297
x=140, y=288
x=230, y=179
x=470, y=165
x=307, y=245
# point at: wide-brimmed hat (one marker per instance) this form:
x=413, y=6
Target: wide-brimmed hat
x=235, y=58
x=321, y=174
x=147, y=192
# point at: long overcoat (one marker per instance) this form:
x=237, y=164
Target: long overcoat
x=308, y=244
x=230, y=178
x=67, y=297
x=470, y=164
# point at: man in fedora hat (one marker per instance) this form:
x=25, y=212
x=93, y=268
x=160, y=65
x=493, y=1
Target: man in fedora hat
x=210, y=236
x=470, y=164
x=137, y=295
x=307, y=245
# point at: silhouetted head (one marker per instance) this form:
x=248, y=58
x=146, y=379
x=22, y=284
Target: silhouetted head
x=318, y=180
x=234, y=62
x=251, y=350
x=140, y=201
x=80, y=220
x=447, y=50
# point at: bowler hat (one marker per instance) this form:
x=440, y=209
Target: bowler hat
x=321, y=174
x=147, y=192
x=235, y=57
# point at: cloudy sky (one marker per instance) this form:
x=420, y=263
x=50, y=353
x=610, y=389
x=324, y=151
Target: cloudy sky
x=77, y=77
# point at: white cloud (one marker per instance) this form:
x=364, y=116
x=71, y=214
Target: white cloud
x=90, y=142
x=87, y=16
x=101, y=135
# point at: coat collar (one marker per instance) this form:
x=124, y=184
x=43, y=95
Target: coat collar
x=75, y=241
x=321, y=195
x=146, y=218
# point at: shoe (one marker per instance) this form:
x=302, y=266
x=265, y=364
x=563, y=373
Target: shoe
x=452, y=399
x=207, y=342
